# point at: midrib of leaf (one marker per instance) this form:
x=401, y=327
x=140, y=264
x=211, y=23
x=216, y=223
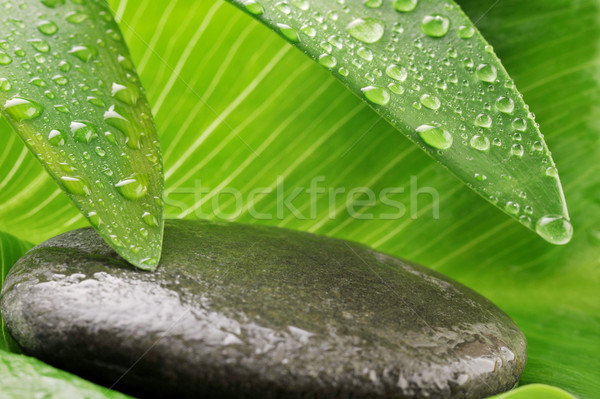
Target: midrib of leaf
x=62, y=62
x=418, y=78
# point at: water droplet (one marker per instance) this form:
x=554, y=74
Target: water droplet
x=376, y=95
x=98, y=102
x=435, y=137
x=21, y=109
x=75, y=185
x=5, y=59
x=519, y=124
x=554, y=229
x=373, y=3
x=405, y=5
x=150, y=219
x=328, y=61
x=283, y=7
x=118, y=118
x=289, y=33
x=76, y=17
x=367, y=30
x=435, y=25
x=480, y=142
x=57, y=137
x=505, y=104
x=94, y=219
x=308, y=31
x=253, y=7
x=517, y=150
x=40, y=45
x=466, y=32
x=487, y=73
x=552, y=171
x=301, y=4
x=483, y=120
x=47, y=28
x=133, y=187
x=83, y=132
x=60, y=80
x=396, y=72
x=5, y=84
x=127, y=93
x=365, y=54
x=431, y=102
x=84, y=53
x=512, y=208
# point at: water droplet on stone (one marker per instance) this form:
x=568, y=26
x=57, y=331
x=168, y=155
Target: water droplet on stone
x=435, y=136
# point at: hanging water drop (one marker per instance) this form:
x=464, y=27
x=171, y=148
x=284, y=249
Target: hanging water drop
x=554, y=229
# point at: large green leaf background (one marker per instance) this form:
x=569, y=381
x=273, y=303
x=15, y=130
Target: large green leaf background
x=236, y=106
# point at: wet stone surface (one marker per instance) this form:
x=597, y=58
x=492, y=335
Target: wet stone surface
x=246, y=311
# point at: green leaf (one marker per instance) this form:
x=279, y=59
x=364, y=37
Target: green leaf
x=69, y=89
x=535, y=391
x=26, y=377
x=424, y=67
x=236, y=107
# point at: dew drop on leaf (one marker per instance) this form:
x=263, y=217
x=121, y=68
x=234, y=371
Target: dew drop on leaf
x=21, y=109
x=76, y=17
x=487, y=73
x=5, y=59
x=48, y=28
x=133, y=187
x=435, y=136
x=554, y=229
x=253, y=7
x=5, y=84
x=75, y=185
x=483, y=120
x=405, y=5
x=517, y=150
x=505, y=104
x=84, y=53
x=53, y=3
x=435, y=25
x=373, y=3
x=512, y=208
x=57, y=137
x=376, y=95
x=327, y=60
x=150, y=219
x=519, y=124
x=289, y=33
x=127, y=93
x=431, y=102
x=368, y=30
x=466, y=32
x=83, y=132
x=480, y=142
x=397, y=73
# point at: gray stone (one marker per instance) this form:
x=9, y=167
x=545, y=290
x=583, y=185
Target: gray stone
x=245, y=311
